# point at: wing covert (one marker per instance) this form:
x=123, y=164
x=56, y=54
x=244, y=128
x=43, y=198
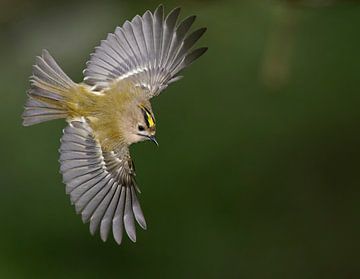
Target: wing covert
x=150, y=51
x=101, y=184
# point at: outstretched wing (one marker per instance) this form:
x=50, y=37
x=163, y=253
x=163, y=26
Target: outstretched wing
x=150, y=51
x=100, y=184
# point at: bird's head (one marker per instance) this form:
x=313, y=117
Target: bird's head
x=140, y=125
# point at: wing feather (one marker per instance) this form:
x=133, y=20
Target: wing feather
x=117, y=221
x=86, y=197
x=129, y=223
x=158, y=24
x=168, y=32
x=77, y=191
x=139, y=216
x=95, y=202
x=106, y=221
x=147, y=28
x=178, y=37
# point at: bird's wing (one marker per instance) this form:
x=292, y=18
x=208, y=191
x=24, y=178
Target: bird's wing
x=101, y=184
x=150, y=51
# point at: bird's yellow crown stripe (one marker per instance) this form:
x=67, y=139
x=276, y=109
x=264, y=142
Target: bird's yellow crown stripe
x=150, y=120
x=148, y=117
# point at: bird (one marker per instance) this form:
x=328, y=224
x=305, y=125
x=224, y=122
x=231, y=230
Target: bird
x=109, y=111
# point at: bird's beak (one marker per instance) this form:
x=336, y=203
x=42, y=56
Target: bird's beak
x=153, y=139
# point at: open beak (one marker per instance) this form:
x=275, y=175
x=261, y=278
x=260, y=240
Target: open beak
x=153, y=139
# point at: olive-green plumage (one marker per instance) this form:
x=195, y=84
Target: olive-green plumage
x=113, y=115
x=109, y=111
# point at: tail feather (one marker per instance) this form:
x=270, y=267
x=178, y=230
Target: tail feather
x=48, y=92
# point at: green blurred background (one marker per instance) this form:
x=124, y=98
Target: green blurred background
x=257, y=173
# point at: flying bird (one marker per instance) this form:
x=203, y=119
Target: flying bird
x=110, y=110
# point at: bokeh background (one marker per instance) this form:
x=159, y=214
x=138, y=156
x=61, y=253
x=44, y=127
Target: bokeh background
x=257, y=173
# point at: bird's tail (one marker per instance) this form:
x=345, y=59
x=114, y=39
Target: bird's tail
x=49, y=89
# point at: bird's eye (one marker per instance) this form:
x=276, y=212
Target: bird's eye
x=141, y=128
